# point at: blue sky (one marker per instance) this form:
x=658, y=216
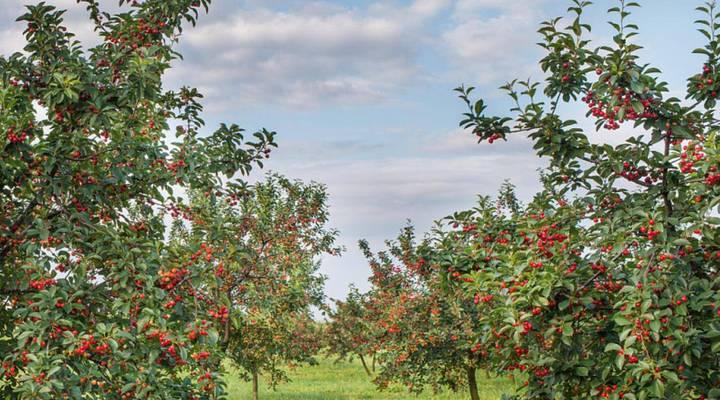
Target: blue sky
x=360, y=93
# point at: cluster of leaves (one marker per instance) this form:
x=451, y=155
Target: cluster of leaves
x=418, y=334
x=95, y=301
x=263, y=243
x=607, y=284
x=350, y=332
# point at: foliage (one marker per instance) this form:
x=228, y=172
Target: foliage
x=95, y=305
x=607, y=284
x=263, y=243
x=423, y=333
x=350, y=331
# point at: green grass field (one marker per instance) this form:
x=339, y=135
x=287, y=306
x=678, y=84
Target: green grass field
x=348, y=381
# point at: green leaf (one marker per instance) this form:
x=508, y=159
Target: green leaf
x=621, y=321
x=715, y=347
x=613, y=347
x=657, y=388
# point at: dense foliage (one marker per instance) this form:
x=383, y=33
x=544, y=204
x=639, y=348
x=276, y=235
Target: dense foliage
x=620, y=254
x=606, y=284
x=263, y=242
x=94, y=302
x=350, y=330
x=423, y=334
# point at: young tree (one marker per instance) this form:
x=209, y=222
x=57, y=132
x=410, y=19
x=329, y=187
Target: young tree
x=350, y=331
x=264, y=243
x=85, y=274
x=514, y=263
x=271, y=341
x=426, y=334
x=627, y=290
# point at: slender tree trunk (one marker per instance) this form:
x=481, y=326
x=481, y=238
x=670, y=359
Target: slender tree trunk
x=255, y=386
x=367, y=370
x=373, y=363
x=472, y=384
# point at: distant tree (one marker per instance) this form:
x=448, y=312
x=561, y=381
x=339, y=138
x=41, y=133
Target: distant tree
x=427, y=336
x=271, y=341
x=350, y=331
x=264, y=242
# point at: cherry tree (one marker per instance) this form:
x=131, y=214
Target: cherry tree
x=94, y=302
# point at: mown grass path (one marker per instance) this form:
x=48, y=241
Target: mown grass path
x=348, y=381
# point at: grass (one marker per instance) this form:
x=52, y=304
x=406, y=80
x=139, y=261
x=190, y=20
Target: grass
x=348, y=381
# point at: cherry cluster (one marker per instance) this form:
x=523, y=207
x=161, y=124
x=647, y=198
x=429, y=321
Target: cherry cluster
x=41, y=284
x=140, y=35
x=170, y=350
x=482, y=299
x=713, y=179
x=705, y=82
x=91, y=345
x=536, y=265
x=177, y=211
x=691, y=154
x=57, y=332
x=199, y=356
x=605, y=392
x=622, y=110
x=635, y=173
x=15, y=137
x=222, y=314
x=209, y=385
x=649, y=231
x=10, y=370
x=198, y=332
x=541, y=372
x=527, y=327
x=204, y=249
x=170, y=279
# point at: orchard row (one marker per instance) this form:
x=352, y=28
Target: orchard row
x=607, y=283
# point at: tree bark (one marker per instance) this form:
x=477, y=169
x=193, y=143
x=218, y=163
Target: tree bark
x=364, y=364
x=255, y=386
x=373, y=363
x=472, y=384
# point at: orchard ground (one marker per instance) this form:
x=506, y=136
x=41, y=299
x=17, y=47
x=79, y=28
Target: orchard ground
x=348, y=381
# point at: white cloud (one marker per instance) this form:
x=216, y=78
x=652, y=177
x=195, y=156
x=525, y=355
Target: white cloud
x=372, y=199
x=311, y=53
x=428, y=8
x=315, y=54
x=11, y=41
x=75, y=19
x=492, y=39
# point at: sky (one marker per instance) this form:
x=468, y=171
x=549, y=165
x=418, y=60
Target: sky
x=361, y=95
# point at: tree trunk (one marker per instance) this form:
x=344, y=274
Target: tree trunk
x=472, y=384
x=373, y=363
x=255, y=386
x=364, y=364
